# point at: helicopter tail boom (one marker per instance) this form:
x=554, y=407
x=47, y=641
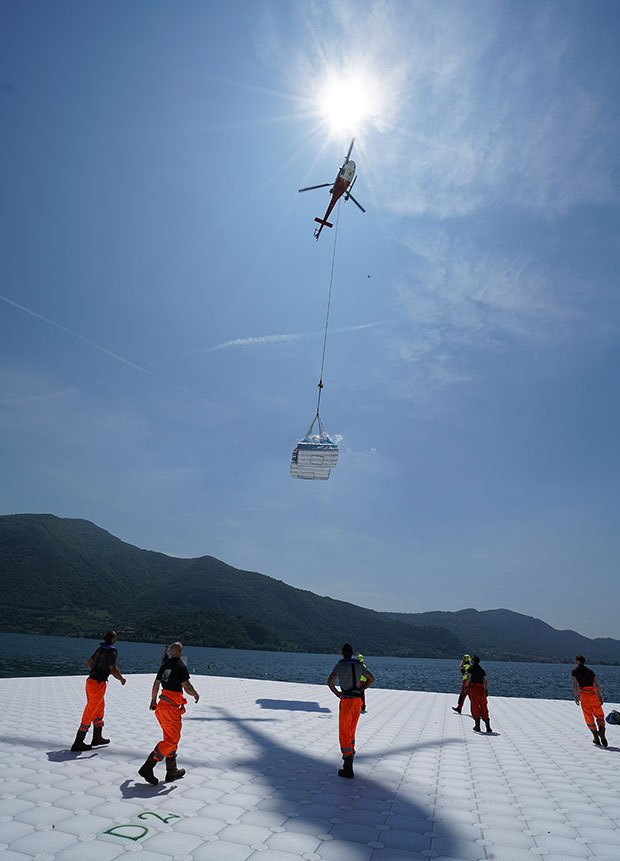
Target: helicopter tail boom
x=323, y=222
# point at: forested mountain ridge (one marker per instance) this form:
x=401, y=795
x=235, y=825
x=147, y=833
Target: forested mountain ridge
x=70, y=577
x=504, y=634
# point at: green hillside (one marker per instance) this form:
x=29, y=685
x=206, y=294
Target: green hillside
x=72, y=578
x=506, y=635
x=69, y=577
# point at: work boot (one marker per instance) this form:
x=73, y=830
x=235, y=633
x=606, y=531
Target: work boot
x=596, y=739
x=78, y=744
x=456, y=709
x=488, y=724
x=146, y=771
x=172, y=772
x=347, y=769
x=98, y=738
x=602, y=736
x=477, y=725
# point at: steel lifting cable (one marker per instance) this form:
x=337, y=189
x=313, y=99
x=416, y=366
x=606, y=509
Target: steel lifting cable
x=329, y=302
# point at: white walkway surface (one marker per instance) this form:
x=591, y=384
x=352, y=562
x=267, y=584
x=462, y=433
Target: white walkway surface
x=261, y=783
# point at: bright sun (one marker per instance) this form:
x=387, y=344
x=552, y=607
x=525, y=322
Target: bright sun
x=345, y=102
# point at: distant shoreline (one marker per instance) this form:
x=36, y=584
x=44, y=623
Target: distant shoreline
x=126, y=637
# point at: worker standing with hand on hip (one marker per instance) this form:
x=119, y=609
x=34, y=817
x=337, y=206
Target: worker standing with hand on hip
x=348, y=671
x=173, y=676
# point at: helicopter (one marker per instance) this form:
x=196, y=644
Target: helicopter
x=342, y=185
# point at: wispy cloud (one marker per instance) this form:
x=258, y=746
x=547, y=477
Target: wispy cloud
x=480, y=293
x=473, y=293
x=262, y=340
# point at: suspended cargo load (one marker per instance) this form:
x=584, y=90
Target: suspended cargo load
x=308, y=471
x=314, y=455
x=317, y=452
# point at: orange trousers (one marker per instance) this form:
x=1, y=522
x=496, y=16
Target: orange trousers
x=591, y=707
x=349, y=715
x=478, y=700
x=170, y=708
x=95, y=704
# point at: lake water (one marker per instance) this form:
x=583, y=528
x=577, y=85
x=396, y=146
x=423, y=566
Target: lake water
x=33, y=655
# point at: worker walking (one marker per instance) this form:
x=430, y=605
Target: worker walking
x=478, y=690
x=102, y=664
x=586, y=688
x=348, y=672
x=173, y=676
x=464, y=668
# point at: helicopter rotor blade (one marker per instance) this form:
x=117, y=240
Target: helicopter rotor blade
x=350, y=148
x=311, y=187
x=359, y=205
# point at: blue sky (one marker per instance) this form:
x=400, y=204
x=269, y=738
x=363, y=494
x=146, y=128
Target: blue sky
x=163, y=299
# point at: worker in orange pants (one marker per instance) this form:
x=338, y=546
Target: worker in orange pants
x=349, y=672
x=587, y=689
x=173, y=677
x=95, y=705
x=102, y=664
x=348, y=716
x=477, y=689
x=169, y=711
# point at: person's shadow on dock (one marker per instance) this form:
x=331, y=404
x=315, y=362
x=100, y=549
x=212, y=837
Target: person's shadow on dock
x=292, y=705
x=65, y=754
x=133, y=789
x=361, y=813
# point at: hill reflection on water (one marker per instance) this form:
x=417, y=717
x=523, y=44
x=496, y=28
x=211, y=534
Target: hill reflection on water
x=33, y=655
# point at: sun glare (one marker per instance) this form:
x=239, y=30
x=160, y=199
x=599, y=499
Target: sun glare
x=345, y=103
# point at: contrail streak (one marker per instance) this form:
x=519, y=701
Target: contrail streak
x=107, y=352
x=277, y=339
x=263, y=339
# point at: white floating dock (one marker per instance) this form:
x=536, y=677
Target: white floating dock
x=262, y=784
